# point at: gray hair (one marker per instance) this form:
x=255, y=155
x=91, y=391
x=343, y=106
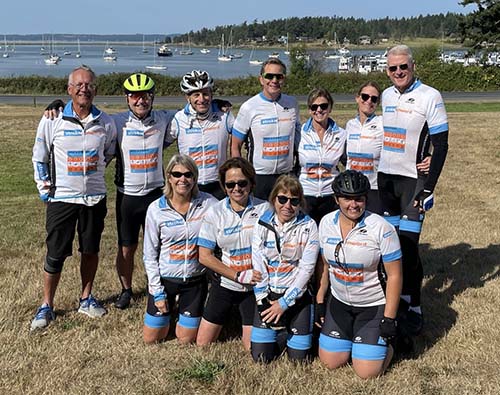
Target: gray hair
x=84, y=68
x=401, y=50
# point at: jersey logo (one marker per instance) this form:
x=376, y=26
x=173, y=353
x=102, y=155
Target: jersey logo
x=411, y=100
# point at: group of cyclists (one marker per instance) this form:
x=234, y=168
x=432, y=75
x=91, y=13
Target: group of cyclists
x=284, y=236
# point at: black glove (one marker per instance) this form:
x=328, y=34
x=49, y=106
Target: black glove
x=425, y=199
x=319, y=314
x=55, y=105
x=223, y=105
x=388, y=329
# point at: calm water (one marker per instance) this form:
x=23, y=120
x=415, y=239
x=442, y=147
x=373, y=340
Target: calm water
x=26, y=60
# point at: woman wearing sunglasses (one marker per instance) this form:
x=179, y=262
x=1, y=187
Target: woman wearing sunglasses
x=171, y=253
x=362, y=275
x=229, y=225
x=321, y=146
x=284, y=249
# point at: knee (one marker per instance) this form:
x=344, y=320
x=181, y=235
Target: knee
x=262, y=355
x=367, y=373
x=52, y=265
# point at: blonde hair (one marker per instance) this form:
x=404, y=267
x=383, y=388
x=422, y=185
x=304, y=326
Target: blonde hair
x=188, y=163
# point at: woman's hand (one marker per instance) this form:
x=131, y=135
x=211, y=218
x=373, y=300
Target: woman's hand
x=162, y=306
x=273, y=314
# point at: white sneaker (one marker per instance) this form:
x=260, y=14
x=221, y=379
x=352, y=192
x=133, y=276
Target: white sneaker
x=43, y=316
x=91, y=307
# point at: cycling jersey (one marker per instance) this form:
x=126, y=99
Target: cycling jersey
x=364, y=143
x=139, y=159
x=225, y=228
x=70, y=156
x=285, y=255
x=318, y=161
x=354, y=279
x=409, y=118
x=273, y=131
x=205, y=141
x=170, y=249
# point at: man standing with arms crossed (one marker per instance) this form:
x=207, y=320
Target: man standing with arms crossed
x=69, y=157
x=413, y=113
x=271, y=123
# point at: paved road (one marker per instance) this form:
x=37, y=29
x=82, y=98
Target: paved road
x=176, y=101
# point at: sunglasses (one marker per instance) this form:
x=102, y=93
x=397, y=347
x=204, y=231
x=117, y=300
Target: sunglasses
x=138, y=95
x=282, y=199
x=240, y=183
x=179, y=174
x=272, y=76
x=323, y=106
x=366, y=96
x=336, y=254
x=402, y=67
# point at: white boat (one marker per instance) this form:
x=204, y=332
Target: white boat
x=344, y=51
x=5, y=47
x=109, y=50
x=345, y=64
x=52, y=60
x=109, y=58
x=155, y=66
x=252, y=61
x=164, y=50
x=144, y=49
x=204, y=51
x=223, y=56
x=331, y=55
x=287, y=51
x=274, y=55
x=187, y=51
x=78, y=53
x=367, y=65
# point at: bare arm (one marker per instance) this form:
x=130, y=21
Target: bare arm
x=393, y=287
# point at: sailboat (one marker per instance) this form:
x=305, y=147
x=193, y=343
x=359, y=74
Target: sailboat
x=186, y=51
x=223, y=56
x=5, y=48
x=144, y=49
x=109, y=54
x=78, y=52
x=108, y=50
x=205, y=51
x=236, y=55
x=255, y=62
x=154, y=66
x=287, y=52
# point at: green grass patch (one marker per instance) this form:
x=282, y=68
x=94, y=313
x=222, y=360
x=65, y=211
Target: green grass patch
x=201, y=370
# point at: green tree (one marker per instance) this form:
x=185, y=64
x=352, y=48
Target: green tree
x=483, y=25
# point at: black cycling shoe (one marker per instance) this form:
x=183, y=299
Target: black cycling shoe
x=123, y=301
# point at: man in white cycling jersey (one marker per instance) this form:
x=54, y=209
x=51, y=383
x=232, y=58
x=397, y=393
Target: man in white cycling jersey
x=413, y=117
x=270, y=125
x=69, y=158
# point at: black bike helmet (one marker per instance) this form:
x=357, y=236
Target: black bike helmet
x=351, y=183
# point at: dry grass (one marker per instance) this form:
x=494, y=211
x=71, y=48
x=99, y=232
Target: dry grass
x=457, y=353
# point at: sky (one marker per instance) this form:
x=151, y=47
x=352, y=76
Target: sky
x=178, y=16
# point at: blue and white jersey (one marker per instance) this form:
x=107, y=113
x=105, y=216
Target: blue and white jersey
x=273, y=131
x=140, y=143
x=285, y=255
x=409, y=118
x=354, y=278
x=318, y=160
x=70, y=156
x=205, y=141
x=170, y=241
x=364, y=143
x=232, y=232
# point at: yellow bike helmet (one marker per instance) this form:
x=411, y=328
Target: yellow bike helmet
x=139, y=83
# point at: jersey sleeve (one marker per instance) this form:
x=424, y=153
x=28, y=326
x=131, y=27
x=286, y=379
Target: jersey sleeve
x=229, y=122
x=110, y=144
x=172, y=131
x=207, y=237
x=242, y=123
x=151, y=252
x=169, y=118
x=306, y=266
x=437, y=119
x=261, y=289
x=41, y=157
x=390, y=248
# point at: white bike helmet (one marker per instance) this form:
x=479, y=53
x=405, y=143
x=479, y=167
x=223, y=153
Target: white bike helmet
x=196, y=80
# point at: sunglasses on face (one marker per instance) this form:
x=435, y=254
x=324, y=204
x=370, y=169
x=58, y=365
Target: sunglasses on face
x=366, y=96
x=272, y=76
x=402, y=67
x=240, y=183
x=282, y=199
x=80, y=85
x=138, y=95
x=323, y=106
x=179, y=174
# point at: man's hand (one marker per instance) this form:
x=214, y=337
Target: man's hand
x=424, y=166
x=424, y=200
x=223, y=105
x=319, y=314
x=162, y=306
x=53, y=109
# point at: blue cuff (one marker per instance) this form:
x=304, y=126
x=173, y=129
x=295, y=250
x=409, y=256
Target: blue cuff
x=160, y=296
x=282, y=303
x=44, y=197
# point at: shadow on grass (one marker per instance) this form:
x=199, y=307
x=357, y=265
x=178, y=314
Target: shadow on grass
x=449, y=272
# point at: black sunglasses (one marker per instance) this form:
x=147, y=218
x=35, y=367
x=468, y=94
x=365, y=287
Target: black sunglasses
x=402, y=67
x=272, y=76
x=179, y=174
x=366, y=96
x=240, y=183
x=282, y=199
x=323, y=106
x=336, y=254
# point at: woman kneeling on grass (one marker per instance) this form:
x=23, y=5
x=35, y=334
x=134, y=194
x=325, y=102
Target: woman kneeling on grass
x=358, y=247
x=229, y=225
x=171, y=254
x=284, y=249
